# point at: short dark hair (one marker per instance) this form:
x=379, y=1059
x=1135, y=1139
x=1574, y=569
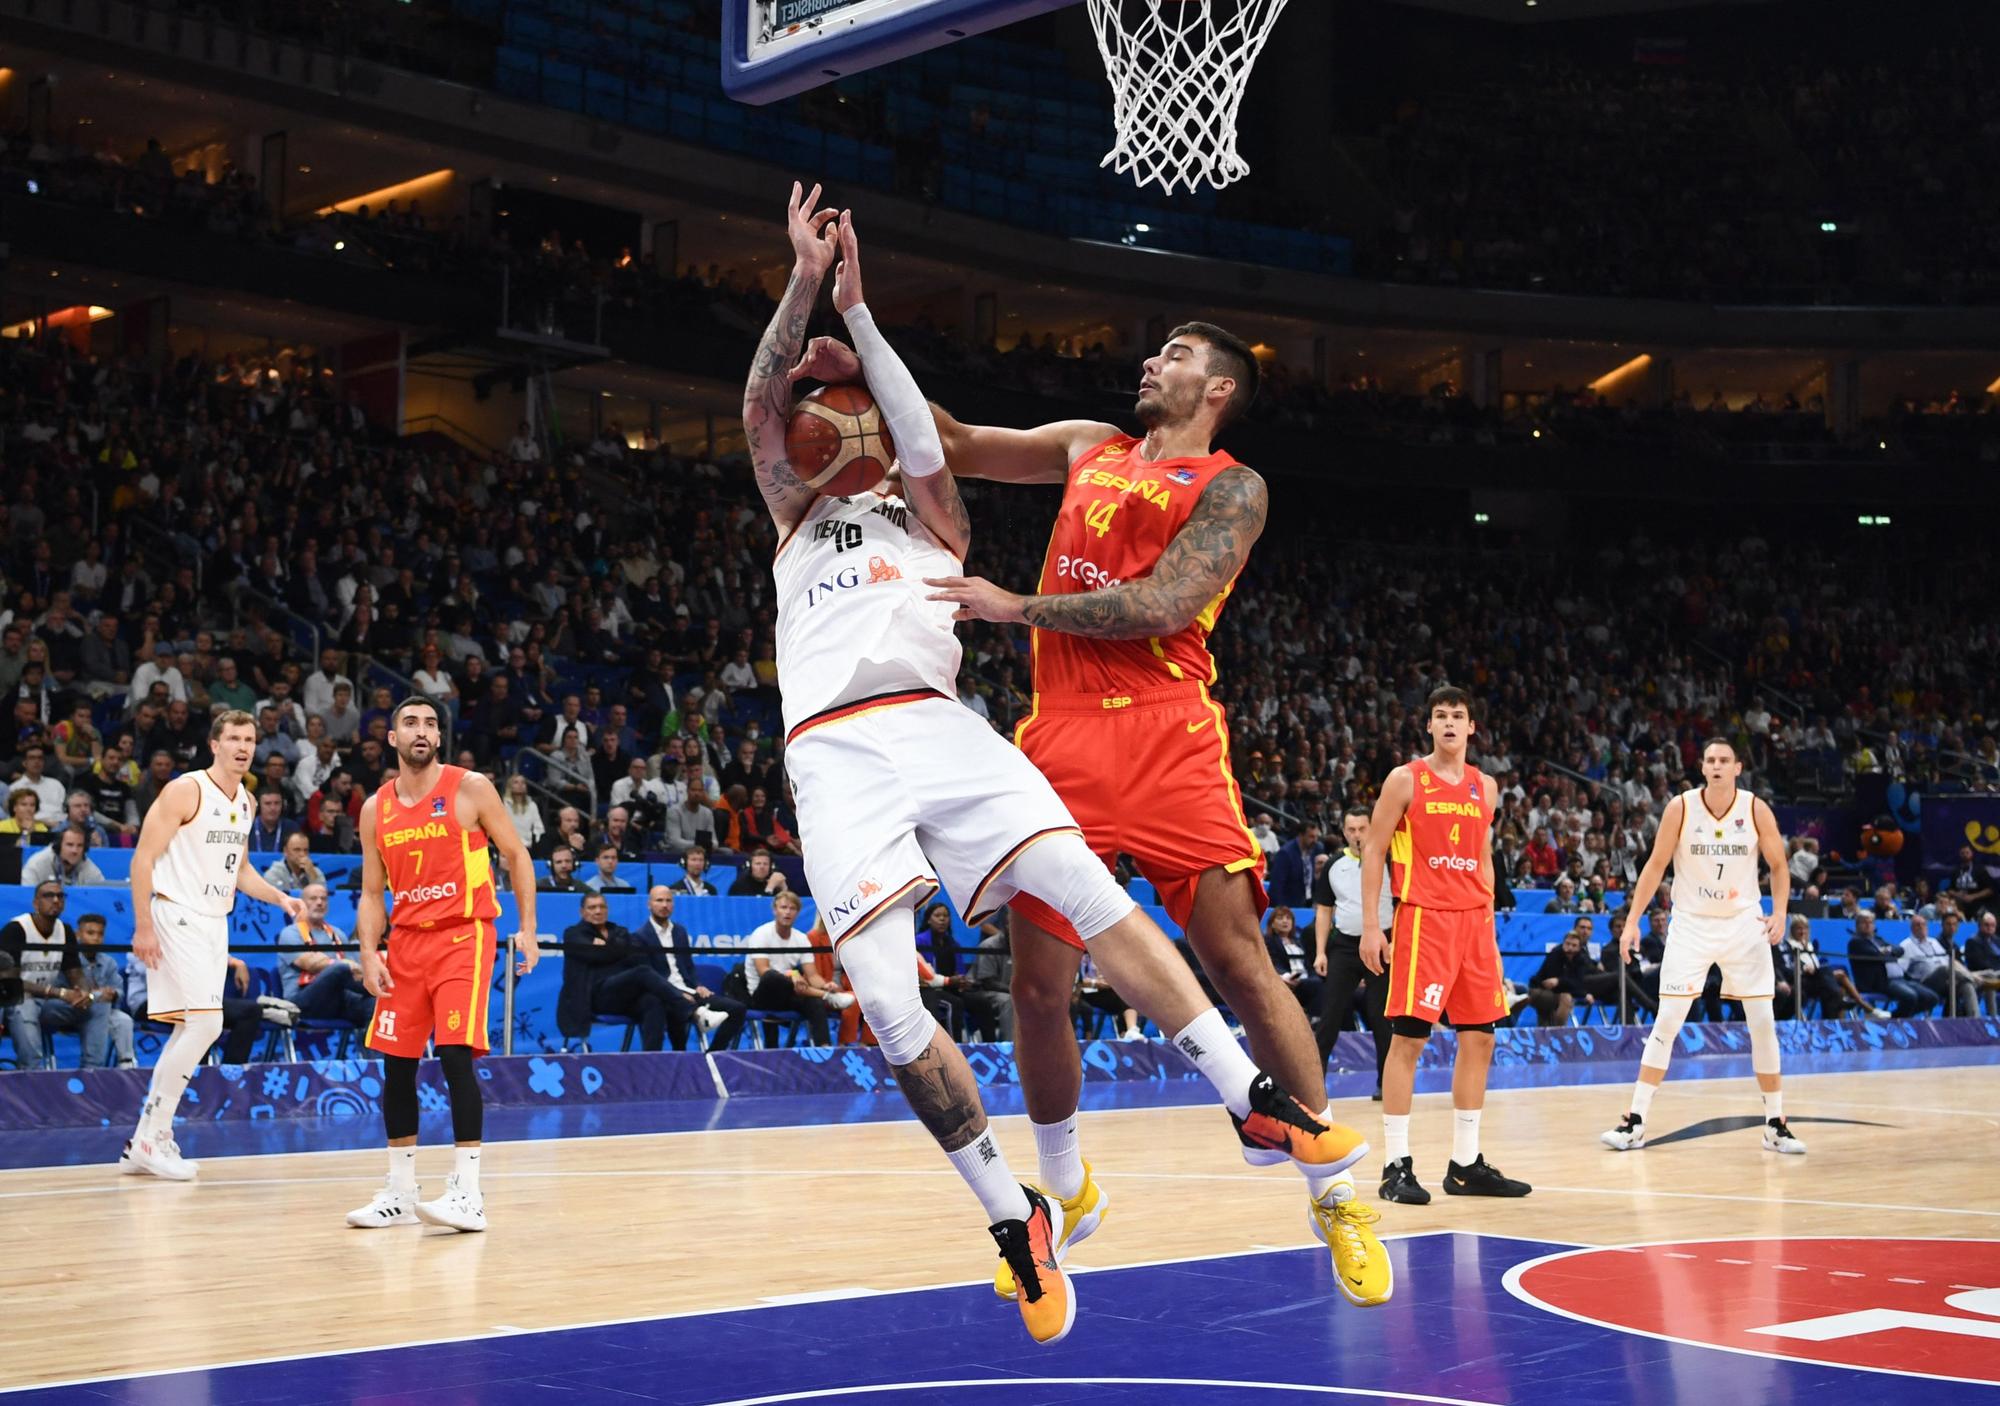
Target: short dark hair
x=1362, y=811
x=415, y=700
x=603, y=850
x=1721, y=742
x=97, y=918
x=1228, y=355
x=1446, y=696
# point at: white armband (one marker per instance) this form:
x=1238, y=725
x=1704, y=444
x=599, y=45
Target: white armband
x=918, y=449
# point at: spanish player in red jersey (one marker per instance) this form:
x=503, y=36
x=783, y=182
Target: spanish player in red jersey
x=1434, y=824
x=1147, y=546
x=424, y=839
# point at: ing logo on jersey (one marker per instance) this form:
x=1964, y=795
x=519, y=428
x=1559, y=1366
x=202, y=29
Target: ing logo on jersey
x=880, y=570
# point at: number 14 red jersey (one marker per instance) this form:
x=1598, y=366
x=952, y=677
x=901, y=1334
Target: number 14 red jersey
x=1119, y=511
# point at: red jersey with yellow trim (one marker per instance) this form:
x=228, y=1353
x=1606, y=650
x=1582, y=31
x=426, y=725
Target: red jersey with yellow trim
x=438, y=871
x=1119, y=511
x=1435, y=854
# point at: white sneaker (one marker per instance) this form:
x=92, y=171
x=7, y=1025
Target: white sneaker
x=157, y=1157
x=708, y=1021
x=1130, y=1035
x=1778, y=1138
x=1628, y=1136
x=458, y=1208
x=1877, y=1013
x=390, y=1207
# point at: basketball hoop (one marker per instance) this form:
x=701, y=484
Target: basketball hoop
x=1178, y=69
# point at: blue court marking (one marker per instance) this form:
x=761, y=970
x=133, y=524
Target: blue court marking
x=1240, y=1330
x=57, y=1147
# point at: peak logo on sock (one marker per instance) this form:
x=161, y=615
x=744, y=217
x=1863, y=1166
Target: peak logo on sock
x=1192, y=1048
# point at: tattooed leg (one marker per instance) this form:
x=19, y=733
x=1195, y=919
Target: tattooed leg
x=943, y=1094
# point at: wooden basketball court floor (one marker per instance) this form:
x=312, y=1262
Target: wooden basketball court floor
x=745, y=1257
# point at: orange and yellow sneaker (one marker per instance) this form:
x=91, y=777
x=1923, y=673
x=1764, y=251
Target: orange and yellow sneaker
x=1277, y=1122
x=1081, y=1215
x=1048, y=1308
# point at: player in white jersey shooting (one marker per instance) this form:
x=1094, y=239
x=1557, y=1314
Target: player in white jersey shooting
x=1713, y=836
x=185, y=875
x=901, y=789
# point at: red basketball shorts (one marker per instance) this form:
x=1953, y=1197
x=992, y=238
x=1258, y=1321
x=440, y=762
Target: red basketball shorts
x=1445, y=962
x=443, y=985
x=1145, y=774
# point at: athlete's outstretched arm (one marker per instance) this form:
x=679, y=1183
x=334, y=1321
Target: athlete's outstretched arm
x=1664, y=842
x=1040, y=455
x=1201, y=561
x=767, y=396
x=1397, y=793
x=929, y=486
x=500, y=833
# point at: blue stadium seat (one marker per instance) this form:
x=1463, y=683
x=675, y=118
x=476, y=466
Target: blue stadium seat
x=604, y=96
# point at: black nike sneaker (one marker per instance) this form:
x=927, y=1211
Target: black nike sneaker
x=1399, y=1184
x=1482, y=1178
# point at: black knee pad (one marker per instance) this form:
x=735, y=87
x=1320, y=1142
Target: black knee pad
x=461, y=1081
x=1485, y=1029
x=1412, y=1026
x=399, y=1096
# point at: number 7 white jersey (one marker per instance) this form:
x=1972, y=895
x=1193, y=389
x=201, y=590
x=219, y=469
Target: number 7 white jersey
x=1715, y=861
x=198, y=871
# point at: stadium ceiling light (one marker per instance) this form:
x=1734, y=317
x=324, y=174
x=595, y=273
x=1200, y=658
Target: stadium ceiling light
x=1611, y=377
x=1994, y=389
x=433, y=183
x=1142, y=228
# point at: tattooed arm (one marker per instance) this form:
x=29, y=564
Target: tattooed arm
x=1203, y=558
x=767, y=397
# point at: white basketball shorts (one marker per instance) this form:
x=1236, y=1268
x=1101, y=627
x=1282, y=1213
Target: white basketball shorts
x=1736, y=944
x=897, y=795
x=194, y=961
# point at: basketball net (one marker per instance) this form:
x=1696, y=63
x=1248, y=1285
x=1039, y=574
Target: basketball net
x=1178, y=69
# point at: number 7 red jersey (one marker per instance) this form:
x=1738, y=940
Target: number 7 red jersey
x=1119, y=511
x=438, y=871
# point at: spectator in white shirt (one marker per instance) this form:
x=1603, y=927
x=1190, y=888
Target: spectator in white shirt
x=317, y=692
x=522, y=810
x=50, y=794
x=149, y=673
x=1926, y=962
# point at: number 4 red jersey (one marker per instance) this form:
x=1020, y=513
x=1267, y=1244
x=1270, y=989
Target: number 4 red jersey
x=1119, y=511
x=1435, y=853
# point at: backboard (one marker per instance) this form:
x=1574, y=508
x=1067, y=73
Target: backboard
x=772, y=49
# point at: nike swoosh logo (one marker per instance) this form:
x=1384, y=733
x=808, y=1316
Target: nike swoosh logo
x=461, y=937
x=1197, y=727
x=1428, y=790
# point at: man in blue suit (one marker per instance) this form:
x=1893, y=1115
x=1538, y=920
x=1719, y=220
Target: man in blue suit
x=1291, y=869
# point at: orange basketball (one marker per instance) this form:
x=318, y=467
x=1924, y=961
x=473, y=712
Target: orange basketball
x=837, y=442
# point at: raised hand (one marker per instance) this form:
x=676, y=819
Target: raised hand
x=830, y=360
x=812, y=244
x=847, y=274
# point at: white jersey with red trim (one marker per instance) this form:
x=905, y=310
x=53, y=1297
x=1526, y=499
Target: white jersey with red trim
x=1715, y=860
x=852, y=619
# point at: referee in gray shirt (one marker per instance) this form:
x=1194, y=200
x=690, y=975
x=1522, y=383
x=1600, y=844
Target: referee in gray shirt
x=1337, y=937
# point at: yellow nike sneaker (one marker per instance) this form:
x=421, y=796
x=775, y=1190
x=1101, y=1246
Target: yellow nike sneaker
x=1360, y=1265
x=1081, y=1215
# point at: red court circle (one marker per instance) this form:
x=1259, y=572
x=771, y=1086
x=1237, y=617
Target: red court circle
x=1917, y=1307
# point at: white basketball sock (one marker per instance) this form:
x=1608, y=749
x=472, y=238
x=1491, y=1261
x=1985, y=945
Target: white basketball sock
x=403, y=1168
x=1061, y=1156
x=984, y=1167
x=1207, y=1042
x=1465, y=1136
x=465, y=1166
x=171, y=1073
x=1774, y=1105
x=1642, y=1097
x=1395, y=1136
